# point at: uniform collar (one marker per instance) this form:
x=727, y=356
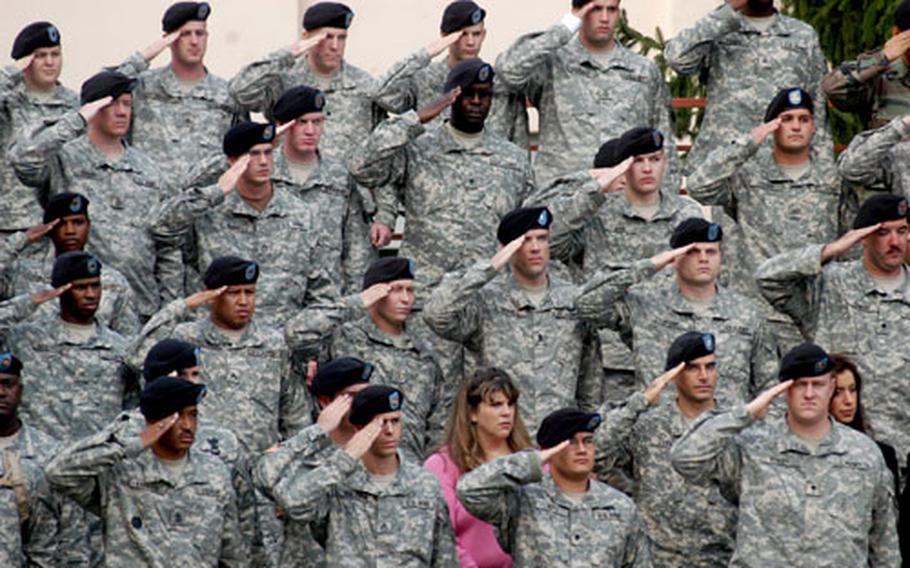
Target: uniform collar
x=448, y=144
x=581, y=57
x=90, y=153
x=361, y=481
x=666, y=209
x=172, y=87
x=788, y=442
x=341, y=80
x=214, y=337
x=680, y=305
x=870, y=287
x=278, y=206
x=372, y=331
x=281, y=172
x=154, y=472
x=101, y=338
x=779, y=25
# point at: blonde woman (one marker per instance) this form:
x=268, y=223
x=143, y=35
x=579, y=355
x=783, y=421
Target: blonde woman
x=485, y=424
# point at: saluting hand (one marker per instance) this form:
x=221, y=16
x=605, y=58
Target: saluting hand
x=44, y=296
x=737, y=5
x=846, y=242
x=657, y=386
x=547, y=454
x=506, y=253
x=435, y=108
x=203, y=297
x=153, y=432
x=444, y=43
x=584, y=10
x=380, y=235
x=761, y=132
x=662, y=260
x=89, y=110
x=156, y=47
x=897, y=46
x=229, y=179
x=331, y=416
x=23, y=63
x=374, y=293
x=37, y=232
x=360, y=442
x=758, y=408
x=606, y=176
x=303, y=45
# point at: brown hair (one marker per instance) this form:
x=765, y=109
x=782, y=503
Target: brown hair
x=460, y=438
x=843, y=363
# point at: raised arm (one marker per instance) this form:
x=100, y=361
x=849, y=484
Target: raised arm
x=688, y=52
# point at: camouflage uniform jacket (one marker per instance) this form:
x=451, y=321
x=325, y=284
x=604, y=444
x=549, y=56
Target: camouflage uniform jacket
x=20, y=109
x=281, y=238
x=879, y=158
x=541, y=346
x=651, y=314
x=178, y=128
x=689, y=525
x=28, y=269
x=453, y=197
x=349, y=110
x=251, y=390
x=839, y=306
x=877, y=90
x=826, y=508
x=75, y=386
x=539, y=526
x=364, y=525
x=124, y=193
x=744, y=69
x=775, y=212
x=582, y=101
x=152, y=517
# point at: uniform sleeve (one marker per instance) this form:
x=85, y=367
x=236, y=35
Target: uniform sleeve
x=492, y=492
x=884, y=546
x=308, y=331
x=160, y=326
x=176, y=216
x=867, y=160
x=395, y=90
x=291, y=458
x=526, y=63
x=714, y=180
x=638, y=545
x=293, y=402
x=444, y=552
x=689, y=51
x=307, y=497
x=259, y=85
x=612, y=439
x=708, y=451
x=124, y=318
x=15, y=310
x=34, y=155
x=455, y=310
x=382, y=158
x=662, y=119
x=574, y=200
x=793, y=283
x=234, y=549
x=850, y=86
x=44, y=546
x=601, y=297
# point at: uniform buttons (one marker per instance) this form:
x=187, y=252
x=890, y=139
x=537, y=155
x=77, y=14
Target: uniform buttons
x=576, y=537
x=884, y=325
x=136, y=522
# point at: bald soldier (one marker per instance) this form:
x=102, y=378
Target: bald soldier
x=30, y=92
x=561, y=516
x=811, y=491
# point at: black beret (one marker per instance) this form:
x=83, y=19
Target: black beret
x=881, y=208
x=519, y=221
x=35, y=36
x=688, y=347
x=10, y=364
x=74, y=265
x=696, y=230
x=372, y=401
x=461, y=14
x=327, y=15
x=804, y=360
x=166, y=395
x=230, y=271
x=579, y=3
x=789, y=99
x=388, y=269
x=609, y=154
x=104, y=84
x=902, y=16
x=167, y=356
x=639, y=141
x=339, y=374
x=296, y=102
x=183, y=12
x=468, y=72
x=563, y=424
x=244, y=135
x=65, y=204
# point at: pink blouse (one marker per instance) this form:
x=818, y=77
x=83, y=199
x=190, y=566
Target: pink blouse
x=475, y=540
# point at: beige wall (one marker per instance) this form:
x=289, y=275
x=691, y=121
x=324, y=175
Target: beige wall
x=103, y=32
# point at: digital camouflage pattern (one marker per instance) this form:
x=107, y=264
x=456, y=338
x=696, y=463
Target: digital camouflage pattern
x=539, y=526
x=828, y=507
x=879, y=158
x=879, y=93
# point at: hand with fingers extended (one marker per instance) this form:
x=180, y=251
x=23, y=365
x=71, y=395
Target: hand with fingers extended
x=606, y=176
x=374, y=293
x=657, y=386
x=311, y=368
x=846, y=242
x=45, y=296
x=897, y=46
x=24, y=63
x=761, y=132
x=435, y=108
x=39, y=231
x=444, y=43
x=303, y=45
x=332, y=415
x=547, y=454
x=281, y=130
x=380, y=235
x=758, y=408
x=664, y=259
x=203, y=297
x=737, y=5
x=156, y=47
x=505, y=254
x=228, y=180
x=583, y=11
x=360, y=442
x=88, y=111
x=153, y=432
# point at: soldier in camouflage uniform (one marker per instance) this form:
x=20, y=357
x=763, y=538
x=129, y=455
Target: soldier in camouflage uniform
x=811, y=491
x=82, y=382
x=875, y=84
x=85, y=152
x=36, y=525
x=879, y=158
x=316, y=60
x=525, y=322
x=29, y=259
x=745, y=52
x=29, y=93
x=860, y=308
x=587, y=87
x=379, y=333
x=245, y=214
x=323, y=185
x=181, y=109
x=689, y=525
x=561, y=517
x=163, y=503
x=367, y=504
x=651, y=312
